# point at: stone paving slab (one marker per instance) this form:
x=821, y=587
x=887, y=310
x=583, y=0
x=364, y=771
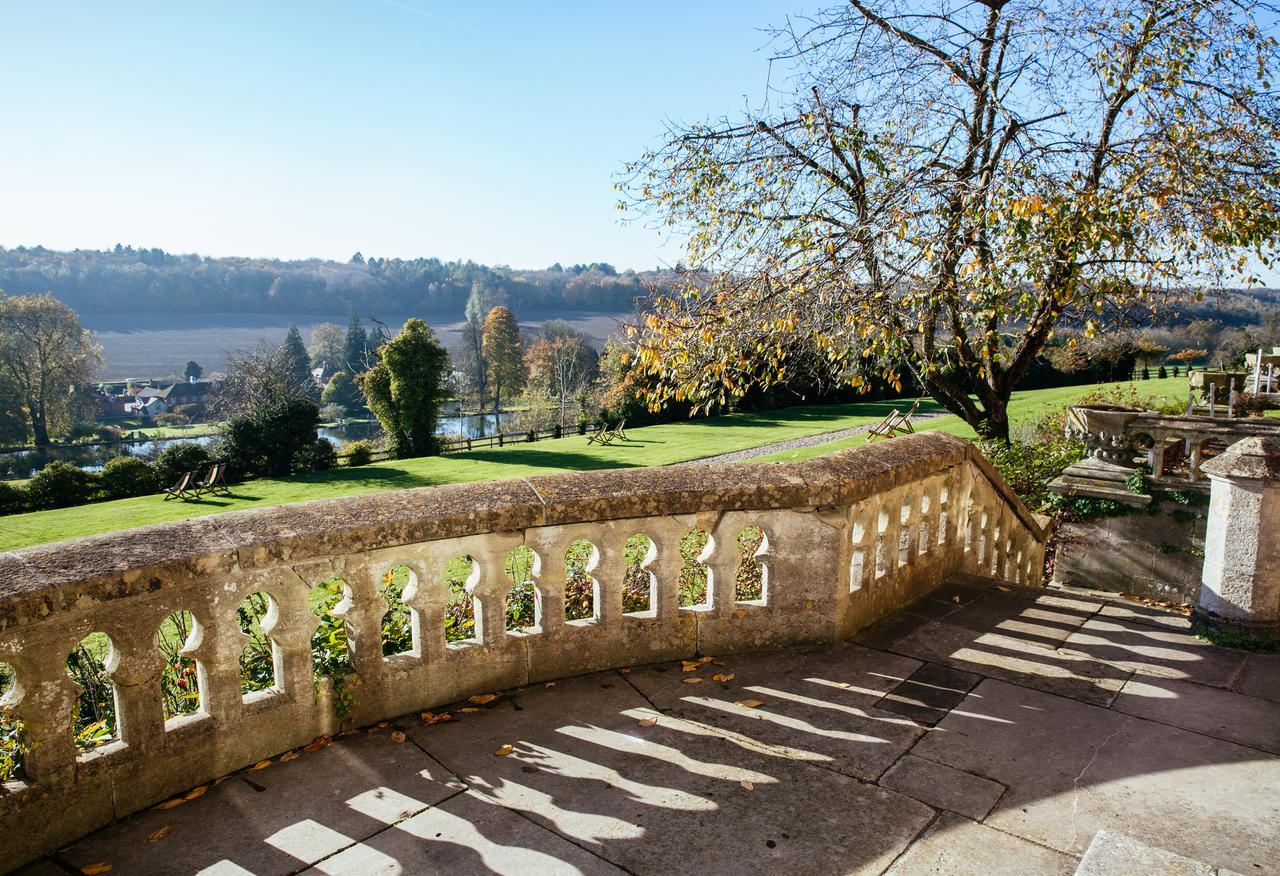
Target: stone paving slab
x=821, y=702
x=1045, y=619
x=278, y=819
x=929, y=693
x=1113, y=854
x=1212, y=711
x=1013, y=659
x=1261, y=677
x=943, y=787
x=1167, y=653
x=465, y=834
x=1073, y=769
x=957, y=845
x=670, y=796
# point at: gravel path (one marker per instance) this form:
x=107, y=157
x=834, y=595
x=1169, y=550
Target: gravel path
x=796, y=443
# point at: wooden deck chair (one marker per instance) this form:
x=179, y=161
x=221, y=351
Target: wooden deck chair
x=215, y=481
x=621, y=430
x=183, y=489
x=894, y=423
x=602, y=435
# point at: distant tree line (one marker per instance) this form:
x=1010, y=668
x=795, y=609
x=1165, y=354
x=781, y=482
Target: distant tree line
x=125, y=279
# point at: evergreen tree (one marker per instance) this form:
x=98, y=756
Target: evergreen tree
x=342, y=390
x=501, y=345
x=298, y=362
x=355, y=351
x=406, y=387
x=193, y=371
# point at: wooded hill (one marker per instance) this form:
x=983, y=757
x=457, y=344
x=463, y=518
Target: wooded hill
x=129, y=280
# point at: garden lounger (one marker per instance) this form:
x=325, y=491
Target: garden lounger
x=602, y=435
x=183, y=489
x=215, y=481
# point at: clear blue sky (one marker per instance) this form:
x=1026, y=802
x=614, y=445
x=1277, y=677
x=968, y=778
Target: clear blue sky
x=489, y=131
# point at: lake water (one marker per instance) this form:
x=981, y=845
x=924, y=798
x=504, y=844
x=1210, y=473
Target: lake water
x=154, y=345
x=25, y=463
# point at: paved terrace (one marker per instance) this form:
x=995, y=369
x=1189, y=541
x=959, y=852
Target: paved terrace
x=983, y=729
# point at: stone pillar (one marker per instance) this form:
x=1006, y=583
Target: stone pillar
x=1241, y=580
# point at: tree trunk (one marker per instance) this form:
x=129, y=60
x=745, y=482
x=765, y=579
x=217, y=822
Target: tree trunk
x=39, y=428
x=994, y=426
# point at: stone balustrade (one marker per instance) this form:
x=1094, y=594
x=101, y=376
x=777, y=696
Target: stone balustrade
x=1122, y=435
x=848, y=538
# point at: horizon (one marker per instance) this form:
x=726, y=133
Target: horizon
x=316, y=130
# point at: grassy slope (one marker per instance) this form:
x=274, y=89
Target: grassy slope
x=1024, y=407
x=655, y=445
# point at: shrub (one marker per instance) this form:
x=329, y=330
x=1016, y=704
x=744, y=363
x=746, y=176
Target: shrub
x=60, y=485
x=178, y=458
x=1028, y=468
x=266, y=441
x=1162, y=373
x=359, y=453
x=126, y=476
x=13, y=498
x=171, y=420
x=319, y=456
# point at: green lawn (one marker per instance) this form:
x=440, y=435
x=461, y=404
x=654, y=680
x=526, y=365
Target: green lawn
x=1025, y=407
x=654, y=445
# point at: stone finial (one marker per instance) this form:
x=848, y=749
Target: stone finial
x=1256, y=458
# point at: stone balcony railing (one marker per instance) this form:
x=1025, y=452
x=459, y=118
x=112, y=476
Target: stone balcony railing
x=848, y=538
x=1123, y=435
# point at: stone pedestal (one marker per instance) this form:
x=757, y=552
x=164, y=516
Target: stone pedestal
x=1241, y=579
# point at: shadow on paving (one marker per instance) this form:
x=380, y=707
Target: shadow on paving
x=963, y=734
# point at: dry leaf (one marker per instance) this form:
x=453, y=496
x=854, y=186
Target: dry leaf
x=481, y=699
x=706, y=659
x=160, y=834
x=719, y=663
x=504, y=750
x=348, y=732
x=96, y=869
x=694, y=680
x=195, y=792
x=647, y=722
x=467, y=710
x=1003, y=589
x=747, y=786
x=170, y=804
x=218, y=781
x=550, y=684
x=262, y=765
x=320, y=743
x=445, y=716
x=625, y=671
x=397, y=736
x=288, y=756
x=956, y=600
x=381, y=724
x=750, y=704
x=723, y=676
x=690, y=665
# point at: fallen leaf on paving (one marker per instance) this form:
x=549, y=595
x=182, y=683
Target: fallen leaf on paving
x=317, y=745
x=624, y=670
x=690, y=665
x=747, y=786
x=481, y=699
x=160, y=834
x=705, y=659
x=467, y=710
x=723, y=676
x=956, y=600
x=288, y=756
x=169, y=804
x=693, y=680
x=262, y=765
x=381, y=724
x=719, y=663
x=348, y=732
x=445, y=716
x=195, y=792
x=95, y=869
x=504, y=750
x=397, y=736
x=647, y=722
x=550, y=684
x=1003, y=589
x=218, y=781
x=750, y=704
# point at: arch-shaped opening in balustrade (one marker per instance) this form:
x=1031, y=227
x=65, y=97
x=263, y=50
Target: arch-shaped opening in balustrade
x=695, y=575
x=522, y=610
x=922, y=541
x=944, y=513
x=180, y=682
x=93, y=718
x=330, y=650
x=904, y=532
x=399, y=621
x=639, y=585
x=858, y=556
x=255, y=617
x=751, y=584
x=581, y=589
x=882, y=553
x=461, y=574
x=12, y=748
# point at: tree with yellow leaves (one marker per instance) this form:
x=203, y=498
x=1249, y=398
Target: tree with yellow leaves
x=947, y=184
